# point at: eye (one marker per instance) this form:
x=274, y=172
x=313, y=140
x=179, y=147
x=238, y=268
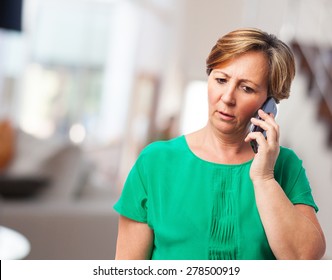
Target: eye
x=248, y=89
x=221, y=80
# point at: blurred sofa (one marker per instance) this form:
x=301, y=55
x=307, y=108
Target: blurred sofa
x=44, y=196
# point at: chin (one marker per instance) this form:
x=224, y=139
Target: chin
x=225, y=129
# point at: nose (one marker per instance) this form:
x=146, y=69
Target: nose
x=229, y=94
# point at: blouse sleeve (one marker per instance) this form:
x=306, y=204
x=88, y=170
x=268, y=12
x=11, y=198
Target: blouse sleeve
x=133, y=200
x=293, y=179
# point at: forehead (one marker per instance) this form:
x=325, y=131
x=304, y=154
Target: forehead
x=252, y=64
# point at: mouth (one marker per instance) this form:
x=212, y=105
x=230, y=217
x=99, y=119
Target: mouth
x=225, y=116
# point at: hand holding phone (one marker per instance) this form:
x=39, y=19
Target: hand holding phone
x=269, y=106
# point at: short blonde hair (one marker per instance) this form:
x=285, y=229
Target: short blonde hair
x=280, y=57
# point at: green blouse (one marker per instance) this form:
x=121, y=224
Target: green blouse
x=203, y=210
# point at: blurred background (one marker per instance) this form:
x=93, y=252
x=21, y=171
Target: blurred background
x=85, y=84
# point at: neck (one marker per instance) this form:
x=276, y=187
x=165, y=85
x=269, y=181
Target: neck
x=227, y=143
x=211, y=145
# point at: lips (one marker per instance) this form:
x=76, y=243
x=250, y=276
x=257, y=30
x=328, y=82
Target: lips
x=225, y=116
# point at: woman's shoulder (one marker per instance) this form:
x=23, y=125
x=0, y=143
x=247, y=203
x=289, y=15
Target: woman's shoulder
x=288, y=157
x=287, y=153
x=157, y=148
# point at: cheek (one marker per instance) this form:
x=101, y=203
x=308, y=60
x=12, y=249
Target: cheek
x=249, y=110
x=213, y=96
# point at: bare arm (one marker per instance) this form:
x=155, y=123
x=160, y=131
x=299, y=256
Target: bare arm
x=135, y=240
x=293, y=231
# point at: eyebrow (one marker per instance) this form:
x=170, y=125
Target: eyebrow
x=242, y=80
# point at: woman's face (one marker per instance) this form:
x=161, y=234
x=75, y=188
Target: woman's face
x=236, y=90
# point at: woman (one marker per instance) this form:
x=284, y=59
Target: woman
x=207, y=195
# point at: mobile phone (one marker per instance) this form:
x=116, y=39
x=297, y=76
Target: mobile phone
x=269, y=106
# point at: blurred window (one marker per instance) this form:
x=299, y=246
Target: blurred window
x=195, y=111
x=67, y=49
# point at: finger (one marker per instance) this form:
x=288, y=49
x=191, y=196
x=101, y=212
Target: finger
x=267, y=117
x=273, y=135
x=264, y=115
x=259, y=138
x=268, y=125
